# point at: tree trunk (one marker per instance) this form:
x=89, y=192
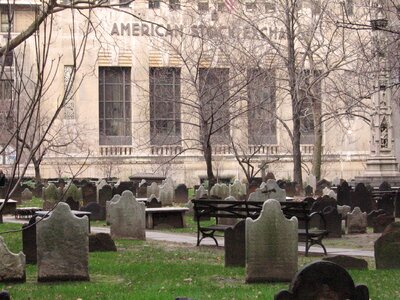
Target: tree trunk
x=208, y=158
x=36, y=165
x=317, y=154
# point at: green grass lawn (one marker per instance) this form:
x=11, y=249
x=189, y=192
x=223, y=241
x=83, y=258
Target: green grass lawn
x=160, y=270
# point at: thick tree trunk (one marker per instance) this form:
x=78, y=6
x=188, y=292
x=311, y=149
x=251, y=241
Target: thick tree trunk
x=208, y=158
x=36, y=165
x=317, y=154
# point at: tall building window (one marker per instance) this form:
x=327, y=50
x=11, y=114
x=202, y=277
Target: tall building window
x=174, y=4
x=309, y=96
x=5, y=18
x=214, y=101
x=115, y=106
x=261, y=92
x=165, y=113
x=154, y=4
x=203, y=6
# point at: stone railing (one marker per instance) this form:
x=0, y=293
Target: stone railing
x=116, y=151
x=166, y=150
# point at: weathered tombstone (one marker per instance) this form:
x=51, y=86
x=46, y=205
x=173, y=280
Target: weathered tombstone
x=333, y=222
x=271, y=245
x=89, y=193
x=26, y=195
x=322, y=202
x=330, y=193
x=362, y=198
x=29, y=241
x=343, y=210
x=153, y=202
x=387, y=248
x=357, y=221
x=386, y=202
x=373, y=214
x=62, y=246
x=97, y=212
x=101, y=242
x=348, y=262
x=181, y=193
x=105, y=194
x=258, y=195
x=72, y=191
x=51, y=193
x=235, y=245
x=115, y=198
x=323, y=280
x=201, y=192
x=166, y=194
x=237, y=190
x=380, y=222
x=219, y=190
x=273, y=191
x=127, y=217
x=308, y=191
x=153, y=189
x=74, y=205
x=344, y=194
x=323, y=183
x=12, y=266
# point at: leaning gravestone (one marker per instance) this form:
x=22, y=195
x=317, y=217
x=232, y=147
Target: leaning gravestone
x=323, y=280
x=235, y=245
x=153, y=189
x=12, y=266
x=62, y=246
x=26, y=195
x=273, y=191
x=357, y=221
x=387, y=248
x=113, y=199
x=271, y=245
x=128, y=217
x=181, y=194
x=100, y=242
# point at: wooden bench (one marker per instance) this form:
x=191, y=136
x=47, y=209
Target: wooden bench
x=26, y=212
x=251, y=209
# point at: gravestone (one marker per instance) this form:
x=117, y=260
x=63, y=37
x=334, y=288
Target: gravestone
x=373, y=214
x=51, y=193
x=72, y=191
x=62, y=246
x=153, y=189
x=330, y=193
x=343, y=210
x=219, y=190
x=141, y=191
x=323, y=280
x=237, y=190
x=29, y=241
x=115, y=198
x=362, y=198
x=122, y=186
x=258, y=195
x=89, y=193
x=73, y=205
x=308, y=191
x=271, y=245
x=127, y=217
x=387, y=248
x=270, y=175
x=153, y=202
x=166, y=193
x=357, y=221
x=323, y=183
x=26, y=195
x=235, y=245
x=333, y=222
x=97, y=212
x=380, y=222
x=322, y=202
x=201, y=192
x=101, y=242
x=344, y=194
x=38, y=190
x=348, y=262
x=12, y=266
x=105, y=194
x=386, y=202
x=181, y=193
x=273, y=191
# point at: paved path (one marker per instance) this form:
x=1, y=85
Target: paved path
x=192, y=240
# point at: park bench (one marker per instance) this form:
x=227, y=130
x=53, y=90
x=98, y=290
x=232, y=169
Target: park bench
x=242, y=209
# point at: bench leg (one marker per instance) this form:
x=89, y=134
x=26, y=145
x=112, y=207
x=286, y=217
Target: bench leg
x=206, y=235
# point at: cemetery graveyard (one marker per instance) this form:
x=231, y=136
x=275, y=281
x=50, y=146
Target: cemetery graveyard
x=118, y=244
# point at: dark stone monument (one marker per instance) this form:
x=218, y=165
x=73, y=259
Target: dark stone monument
x=333, y=222
x=74, y=205
x=387, y=248
x=380, y=222
x=235, y=245
x=101, y=242
x=386, y=201
x=397, y=205
x=105, y=194
x=5, y=295
x=291, y=189
x=348, y=262
x=362, y=198
x=373, y=214
x=322, y=202
x=123, y=186
x=344, y=193
x=323, y=183
x=308, y=191
x=181, y=194
x=29, y=241
x=98, y=213
x=323, y=280
x=153, y=202
x=89, y=193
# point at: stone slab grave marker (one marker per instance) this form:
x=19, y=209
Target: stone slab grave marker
x=237, y=190
x=105, y=194
x=115, y=198
x=62, y=246
x=348, y=262
x=153, y=189
x=323, y=280
x=344, y=193
x=387, y=248
x=122, y=186
x=26, y=195
x=128, y=217
x=357, y=221
x=258, y=195
x=380, y=222
x=153, y=202
x=235, y=245
x=181, y=193
x=74, y=205
x=273, y=191
x=271, y=245
x=219, y=190
x=167, y=193
x=12, y=266
x=333, y=222
x=97, y=212
x=100, y=242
